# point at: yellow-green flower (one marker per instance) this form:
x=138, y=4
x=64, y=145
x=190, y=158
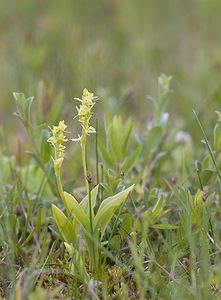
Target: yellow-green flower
x=56, y=140
x=85, y=113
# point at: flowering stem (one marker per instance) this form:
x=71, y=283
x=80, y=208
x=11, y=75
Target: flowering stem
x=57, y=139
x=57, y=171
x=96, y=149
x=84, y=162
x=84, y=114
x=88, y=190
x=60, y=188
x=91, y=218
x=91, y=225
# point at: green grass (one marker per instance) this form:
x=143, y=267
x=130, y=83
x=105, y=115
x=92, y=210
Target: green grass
x=162, y=241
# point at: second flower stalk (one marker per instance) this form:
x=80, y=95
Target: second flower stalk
x=84, y=115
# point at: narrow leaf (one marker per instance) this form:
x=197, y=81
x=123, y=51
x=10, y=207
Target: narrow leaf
x=157, y=208
x=115, y=140
x=165, y=226
x=127, y=132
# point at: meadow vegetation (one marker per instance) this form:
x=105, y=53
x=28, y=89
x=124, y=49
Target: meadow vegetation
x=110, y=167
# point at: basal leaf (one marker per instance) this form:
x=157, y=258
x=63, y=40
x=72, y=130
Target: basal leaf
x=107, y=209
x=85, y=202
x=64, y=225
x=77, y=211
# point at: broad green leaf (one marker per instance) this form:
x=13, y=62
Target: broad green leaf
x=130, y=161
x=100, y=224
x=85, y=202
x=64, y=225
x=77, y=211
x=107, y=209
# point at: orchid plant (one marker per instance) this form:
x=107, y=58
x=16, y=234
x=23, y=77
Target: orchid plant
x=81, y=223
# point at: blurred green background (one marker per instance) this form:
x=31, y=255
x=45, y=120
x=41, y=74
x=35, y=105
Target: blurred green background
x=116, y=49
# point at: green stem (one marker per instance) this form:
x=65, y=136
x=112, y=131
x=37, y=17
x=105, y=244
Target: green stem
x=91, y=225
x=57, y=169
x=88, y=190
x=84, y=163
x=60, y=188
x=102, y=180
x=96, y=149
x=90, y=212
